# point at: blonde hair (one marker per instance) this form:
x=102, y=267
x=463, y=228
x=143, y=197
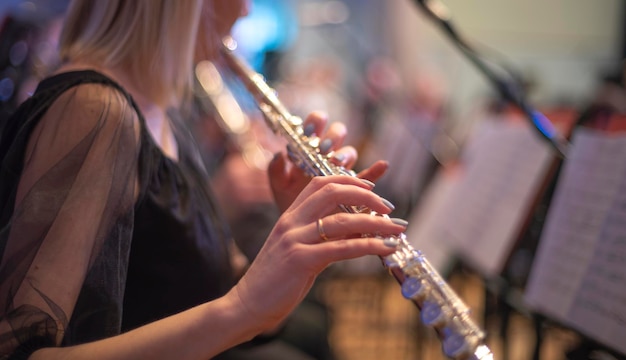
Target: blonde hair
x=153, y=39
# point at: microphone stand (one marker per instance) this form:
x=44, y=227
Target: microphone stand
x=509, y=91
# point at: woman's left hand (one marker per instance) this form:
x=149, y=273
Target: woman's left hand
x=287, y=180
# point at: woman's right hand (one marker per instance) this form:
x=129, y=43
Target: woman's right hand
x=295, y=252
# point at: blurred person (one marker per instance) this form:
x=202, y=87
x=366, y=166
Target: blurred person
x=106, y=218
x=234, y=143
x=407, y=121
x=381, y=91
x=237, y=146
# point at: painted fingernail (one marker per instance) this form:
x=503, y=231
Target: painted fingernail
x=391, y=242
x=399, y=221
x=309, y=129
x=339, y=157
x=325, y=145
x=368, y=183
x=388, y=203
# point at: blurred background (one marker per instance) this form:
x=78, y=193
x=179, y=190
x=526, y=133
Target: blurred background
x=472, y=175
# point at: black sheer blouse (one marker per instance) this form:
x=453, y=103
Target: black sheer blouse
x=100, y=232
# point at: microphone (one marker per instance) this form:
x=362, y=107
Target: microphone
x=511, y=91
x=436, y=8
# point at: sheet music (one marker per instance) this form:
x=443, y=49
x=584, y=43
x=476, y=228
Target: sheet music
x=504, y=167
x=579, y=274
x=427, y=221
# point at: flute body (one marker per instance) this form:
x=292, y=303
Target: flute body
x=440, y=307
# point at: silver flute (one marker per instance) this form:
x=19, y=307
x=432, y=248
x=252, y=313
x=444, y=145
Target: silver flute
x=440, y=307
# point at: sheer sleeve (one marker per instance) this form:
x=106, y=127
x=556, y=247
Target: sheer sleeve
x=72, y=218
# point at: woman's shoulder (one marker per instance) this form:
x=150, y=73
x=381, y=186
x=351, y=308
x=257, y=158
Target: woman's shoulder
x=88, y=93
x=90, y=109
x=93, y=83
